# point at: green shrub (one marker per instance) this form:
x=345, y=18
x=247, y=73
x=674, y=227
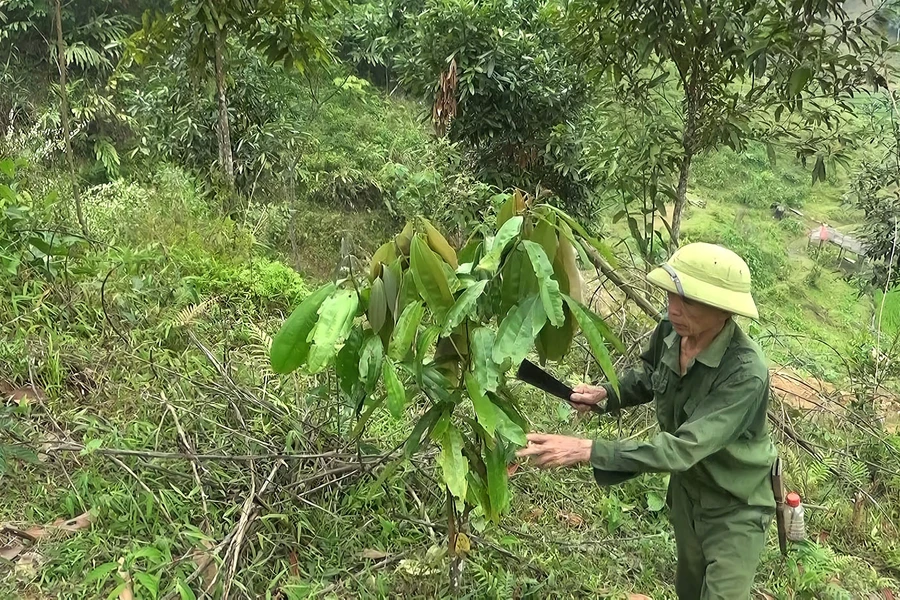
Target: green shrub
x=887, y=310
x=792, y=226
x=749, y=178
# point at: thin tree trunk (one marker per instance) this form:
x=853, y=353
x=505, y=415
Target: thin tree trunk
x=226, y=159
x=64, y=118
x=680, y=197
x=687, y=144
x=630, y=291
x=452, y=535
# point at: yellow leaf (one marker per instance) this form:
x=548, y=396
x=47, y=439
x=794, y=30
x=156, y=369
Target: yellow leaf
x=404, y=239
x=463, y=545
x=386, y=253
x=439, y=244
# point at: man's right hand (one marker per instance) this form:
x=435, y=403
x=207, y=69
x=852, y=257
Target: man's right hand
x=587, y=397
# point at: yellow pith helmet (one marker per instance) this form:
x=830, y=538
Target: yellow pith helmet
x=708, y=274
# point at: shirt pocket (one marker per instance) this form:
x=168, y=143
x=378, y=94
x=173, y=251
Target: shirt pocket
x=696, y=395
x=665, y=407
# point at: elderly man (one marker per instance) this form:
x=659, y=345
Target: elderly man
x=710, y=385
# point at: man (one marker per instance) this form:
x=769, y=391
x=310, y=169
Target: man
x=710, y=385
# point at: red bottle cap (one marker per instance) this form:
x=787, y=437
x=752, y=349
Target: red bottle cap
x=793, y=499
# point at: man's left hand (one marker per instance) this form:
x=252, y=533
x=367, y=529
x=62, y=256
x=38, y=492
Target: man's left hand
x=556, y=450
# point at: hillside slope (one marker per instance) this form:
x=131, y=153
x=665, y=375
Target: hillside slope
x=134, y=353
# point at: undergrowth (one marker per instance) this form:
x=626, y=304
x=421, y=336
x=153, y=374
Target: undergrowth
x=152, y=338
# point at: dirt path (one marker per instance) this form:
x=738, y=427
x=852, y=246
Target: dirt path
x=810, y=394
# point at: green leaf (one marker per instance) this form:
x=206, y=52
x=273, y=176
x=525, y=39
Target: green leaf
x=770, y=151
x=426, y=341
x=655, y=502
x=148, y=582
x=470, y=252
x=818, y=173
x=485, y=411
x=290, y=346
x=377, y=305
x=149, y=552
x=552, y=343
x=497, y=479
x=518, y=330
x=365, y=416
x=507, y=428
x=481, y=345
x=595, y=340
x=436, y=383
x=463, y=306
x=346, y=365
x=507, y=233
x=509, y=208
x=8, y=168
x=185, y=591
x=335, y=320
x=430, y=278
x=391, y=279
x=396, y=395
x=118, y=590
x=438, y=243
x=798, y=80
x=101, y=573
x=518, y=280
x=91, y=446
x=370, y=362
x=599, y=246
x=423, y=428
x=539, y=261
x=545, y=234
x=405, y=332
x=549, y=287
x=454, y=466
x=607, y=333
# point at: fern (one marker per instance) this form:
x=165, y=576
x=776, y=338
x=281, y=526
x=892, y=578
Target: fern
x=108, y=156
x=496, y=583
x=818, y=473
x=259, y=350
x=193, y=312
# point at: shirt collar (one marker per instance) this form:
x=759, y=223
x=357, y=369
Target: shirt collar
x=711, y=356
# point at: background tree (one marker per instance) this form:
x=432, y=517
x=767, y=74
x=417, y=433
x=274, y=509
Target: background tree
x=64, y=117
x=876, y=191
x=729, y=61
x=517, y=92
x=283, y=31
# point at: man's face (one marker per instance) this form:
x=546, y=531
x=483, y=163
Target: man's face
x=690, y=318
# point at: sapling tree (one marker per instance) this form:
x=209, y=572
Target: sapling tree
x=433, y=332
x=721, y=65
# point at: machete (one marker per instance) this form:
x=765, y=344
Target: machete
x=532, y=374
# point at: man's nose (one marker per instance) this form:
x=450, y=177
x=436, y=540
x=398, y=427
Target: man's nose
x=674, y=304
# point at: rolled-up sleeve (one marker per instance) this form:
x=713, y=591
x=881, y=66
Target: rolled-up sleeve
x=716, y=422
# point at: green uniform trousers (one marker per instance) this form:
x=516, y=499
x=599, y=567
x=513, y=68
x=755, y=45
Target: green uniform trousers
x=719, y=541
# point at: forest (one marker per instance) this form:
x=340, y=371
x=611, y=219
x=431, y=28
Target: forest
x=268, y=268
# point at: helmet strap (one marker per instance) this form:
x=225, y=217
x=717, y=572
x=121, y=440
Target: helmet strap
x=668, y=269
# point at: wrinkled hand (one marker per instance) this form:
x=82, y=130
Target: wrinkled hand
x=585, y=397
x=556, y=450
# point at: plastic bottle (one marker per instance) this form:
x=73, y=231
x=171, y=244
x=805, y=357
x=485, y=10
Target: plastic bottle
x=796, y=524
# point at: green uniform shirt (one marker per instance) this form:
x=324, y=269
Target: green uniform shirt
x=712, y=420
